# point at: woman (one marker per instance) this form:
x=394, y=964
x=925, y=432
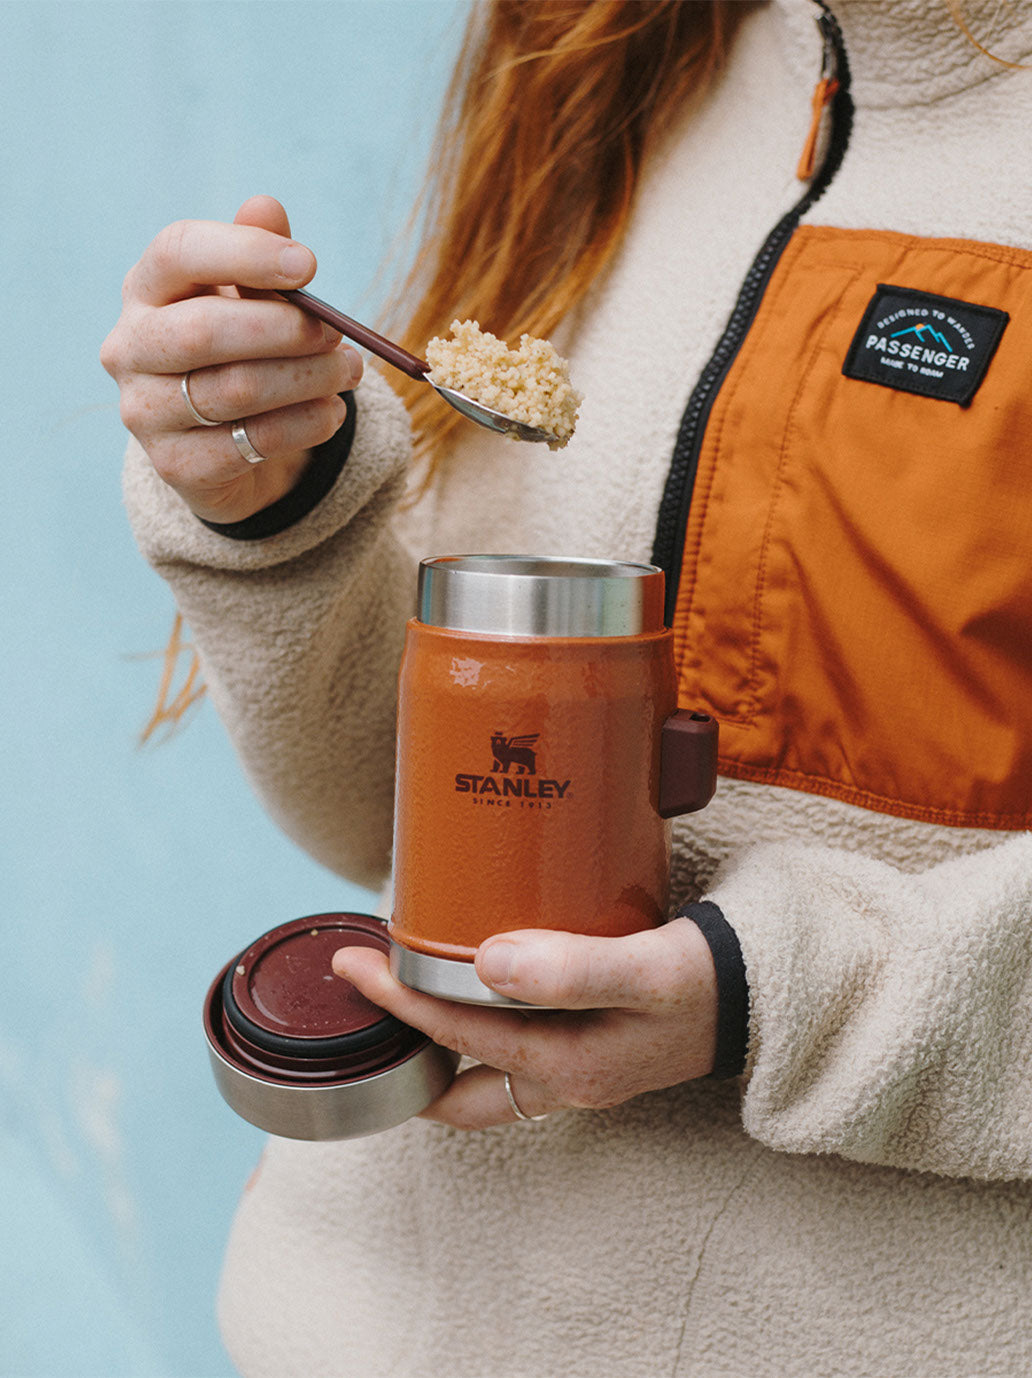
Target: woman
x=806, y=396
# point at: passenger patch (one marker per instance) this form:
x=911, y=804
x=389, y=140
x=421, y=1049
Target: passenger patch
x=923, y=343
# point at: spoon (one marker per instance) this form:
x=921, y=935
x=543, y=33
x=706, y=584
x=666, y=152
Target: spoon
x=400, y=358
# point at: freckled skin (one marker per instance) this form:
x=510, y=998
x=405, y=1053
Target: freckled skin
x=251, y=356
x=638, y=1014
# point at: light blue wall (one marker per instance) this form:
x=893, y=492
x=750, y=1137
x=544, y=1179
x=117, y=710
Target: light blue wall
x=128, y=875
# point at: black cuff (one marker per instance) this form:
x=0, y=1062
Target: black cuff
x=322, y=473
x=732, y=986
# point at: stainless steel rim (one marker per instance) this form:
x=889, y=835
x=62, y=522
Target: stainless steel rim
x=540, y=595
x=348, y=1110
x=447, y=979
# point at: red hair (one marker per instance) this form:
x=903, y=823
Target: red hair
x=550, y=112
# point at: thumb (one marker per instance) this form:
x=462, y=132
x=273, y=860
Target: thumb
x=567, y=971
x=266, y=213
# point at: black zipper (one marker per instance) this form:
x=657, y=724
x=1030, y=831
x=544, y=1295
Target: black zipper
x=672, y=521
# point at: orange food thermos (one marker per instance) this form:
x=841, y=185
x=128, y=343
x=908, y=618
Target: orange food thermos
x=540, y=755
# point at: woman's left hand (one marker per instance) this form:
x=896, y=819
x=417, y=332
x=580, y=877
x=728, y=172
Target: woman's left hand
x=633, y=1014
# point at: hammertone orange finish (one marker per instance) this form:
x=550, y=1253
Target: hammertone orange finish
x=527, y=786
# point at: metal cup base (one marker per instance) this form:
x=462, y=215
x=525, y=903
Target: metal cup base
x=448, y=979
x=342, y=1110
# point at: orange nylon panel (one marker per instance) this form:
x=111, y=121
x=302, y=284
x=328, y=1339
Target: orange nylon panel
x=855, y=604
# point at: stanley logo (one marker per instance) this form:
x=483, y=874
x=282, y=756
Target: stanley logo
x=514, y=751
x=514, y=776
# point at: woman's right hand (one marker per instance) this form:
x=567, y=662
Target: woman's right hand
x=199, y=302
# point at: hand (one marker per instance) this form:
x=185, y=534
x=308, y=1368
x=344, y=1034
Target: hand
x=637, y=1014
x=199, y=302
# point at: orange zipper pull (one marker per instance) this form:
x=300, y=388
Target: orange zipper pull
x=823, y=94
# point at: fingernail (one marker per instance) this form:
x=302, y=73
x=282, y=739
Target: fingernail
x=496, y=964
x=295, y=261
x=357, y=367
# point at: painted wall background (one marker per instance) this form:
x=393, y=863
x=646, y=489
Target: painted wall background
x=130, y=875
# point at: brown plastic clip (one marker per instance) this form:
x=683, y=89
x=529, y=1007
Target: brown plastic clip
x=687, y=763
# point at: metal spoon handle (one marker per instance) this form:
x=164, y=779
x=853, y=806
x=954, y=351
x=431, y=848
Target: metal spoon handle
x=384, y=349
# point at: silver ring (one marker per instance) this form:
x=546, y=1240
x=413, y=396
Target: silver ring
x=247, y=450
x=520, y=1114
x=184, y=388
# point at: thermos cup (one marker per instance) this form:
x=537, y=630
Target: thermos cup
x=540, y=756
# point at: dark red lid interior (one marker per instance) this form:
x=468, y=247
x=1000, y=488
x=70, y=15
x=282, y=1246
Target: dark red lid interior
x=284, y=982
x=278, y=1011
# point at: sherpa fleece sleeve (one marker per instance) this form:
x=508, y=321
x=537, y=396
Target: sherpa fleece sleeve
x=890, y=1014
x=299, y=636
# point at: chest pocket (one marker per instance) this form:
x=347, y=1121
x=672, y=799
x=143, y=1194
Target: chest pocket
x=855, y=600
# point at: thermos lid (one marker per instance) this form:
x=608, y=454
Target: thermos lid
x=540, y=595
x=300, y=1052
x=281, y=999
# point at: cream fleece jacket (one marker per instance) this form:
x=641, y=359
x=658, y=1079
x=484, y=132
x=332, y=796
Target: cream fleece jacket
x=859, y=1204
